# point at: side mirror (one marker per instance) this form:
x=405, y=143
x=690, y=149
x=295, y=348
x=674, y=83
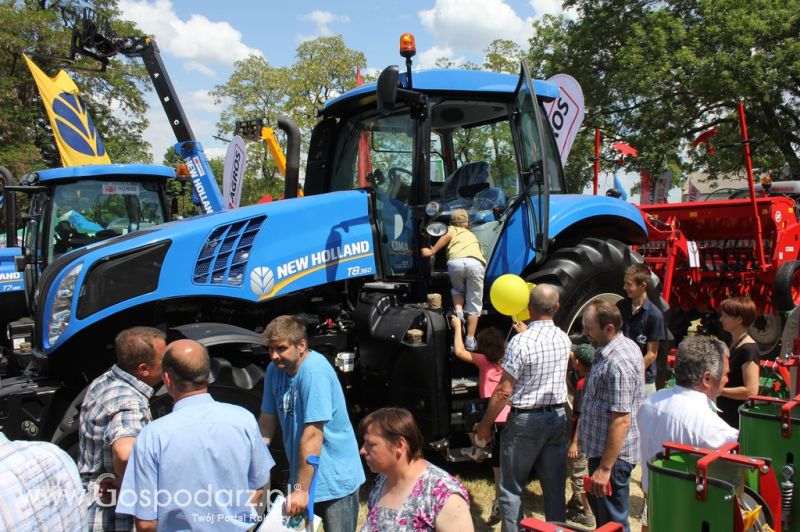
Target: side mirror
x=436, y=229
x=387, y=89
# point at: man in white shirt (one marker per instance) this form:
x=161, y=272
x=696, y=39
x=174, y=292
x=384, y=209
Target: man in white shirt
x=686, y=413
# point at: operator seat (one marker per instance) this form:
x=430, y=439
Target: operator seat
x=475, y=173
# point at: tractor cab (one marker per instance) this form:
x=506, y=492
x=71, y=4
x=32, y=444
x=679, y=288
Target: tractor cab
x=428, y=142
x=74, y=207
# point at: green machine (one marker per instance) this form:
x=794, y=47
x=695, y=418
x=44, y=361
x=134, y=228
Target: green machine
x=694, y=489
x=770, y=428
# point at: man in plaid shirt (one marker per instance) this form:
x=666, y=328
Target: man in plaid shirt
x=534, y=382
x=608, y=432
x=114, y=411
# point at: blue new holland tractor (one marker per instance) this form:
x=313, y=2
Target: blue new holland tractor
x=384, y=161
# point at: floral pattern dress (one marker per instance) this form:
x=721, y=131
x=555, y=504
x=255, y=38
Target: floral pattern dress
x=421, y=508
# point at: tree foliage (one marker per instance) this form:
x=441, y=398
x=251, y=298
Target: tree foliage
x=324, y=68
x=656, y=74
x=114, y=97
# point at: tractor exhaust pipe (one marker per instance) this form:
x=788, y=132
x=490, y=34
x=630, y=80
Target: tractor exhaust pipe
x=292, y=181
x=10, y=203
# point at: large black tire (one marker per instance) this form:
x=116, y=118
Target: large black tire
x=785, y=293
x=592, y=268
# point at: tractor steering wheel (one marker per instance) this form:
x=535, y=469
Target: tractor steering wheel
x=396, y=180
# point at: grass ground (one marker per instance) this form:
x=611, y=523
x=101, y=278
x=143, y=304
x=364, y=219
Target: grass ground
x=478, y=480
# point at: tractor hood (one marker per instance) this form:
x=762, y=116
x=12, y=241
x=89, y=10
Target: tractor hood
x=252, y=254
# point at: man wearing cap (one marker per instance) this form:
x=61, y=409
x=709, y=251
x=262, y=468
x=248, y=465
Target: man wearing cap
x=465, y=265
x=582, y=358
x=535, y=435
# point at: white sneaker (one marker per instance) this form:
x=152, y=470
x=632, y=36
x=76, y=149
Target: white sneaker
x=470, y=344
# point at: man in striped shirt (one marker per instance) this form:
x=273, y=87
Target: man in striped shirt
x=608, y=431
x=535, y=435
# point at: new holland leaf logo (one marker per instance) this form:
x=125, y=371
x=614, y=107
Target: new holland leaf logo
x=261, y=280
x=75, y=125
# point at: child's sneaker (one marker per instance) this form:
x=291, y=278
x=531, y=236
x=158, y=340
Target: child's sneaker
x=583, y=519
x=575, y=504
x=494, y=516
x=470, y=344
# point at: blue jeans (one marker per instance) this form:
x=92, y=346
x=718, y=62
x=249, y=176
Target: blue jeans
x=339, y=515
x=616, y=507
x=533, y=440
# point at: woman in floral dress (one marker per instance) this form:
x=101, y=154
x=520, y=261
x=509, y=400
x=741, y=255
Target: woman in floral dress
x=410, y=494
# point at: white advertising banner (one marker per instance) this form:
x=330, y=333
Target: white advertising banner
x=233, y=174
x=565, y=113
x=662, y=187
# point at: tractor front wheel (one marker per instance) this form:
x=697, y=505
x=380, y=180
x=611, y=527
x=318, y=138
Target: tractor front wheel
x=591, y=269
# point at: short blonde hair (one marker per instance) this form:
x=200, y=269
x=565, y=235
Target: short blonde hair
x=289, y=328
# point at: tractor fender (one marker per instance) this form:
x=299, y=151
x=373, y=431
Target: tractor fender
x=578, y=215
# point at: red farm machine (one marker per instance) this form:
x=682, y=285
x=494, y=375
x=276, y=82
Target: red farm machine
x=704, y=252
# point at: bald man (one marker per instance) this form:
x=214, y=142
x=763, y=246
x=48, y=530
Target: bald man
x=535, y=436
x=200, y=466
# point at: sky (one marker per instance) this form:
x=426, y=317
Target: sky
x=200, y=40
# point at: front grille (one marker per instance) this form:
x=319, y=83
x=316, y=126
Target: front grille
x=224, y=255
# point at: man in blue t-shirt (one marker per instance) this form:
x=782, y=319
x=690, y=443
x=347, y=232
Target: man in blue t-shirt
x=302, y=392
x=642, y=321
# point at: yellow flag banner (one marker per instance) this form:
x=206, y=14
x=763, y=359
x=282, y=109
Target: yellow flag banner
x=78, y=141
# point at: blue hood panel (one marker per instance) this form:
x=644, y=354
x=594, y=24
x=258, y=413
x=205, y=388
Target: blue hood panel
x=254, y=253
x=10, y=279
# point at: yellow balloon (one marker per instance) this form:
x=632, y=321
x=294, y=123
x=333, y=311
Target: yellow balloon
x=524, y=314
x=509, y=294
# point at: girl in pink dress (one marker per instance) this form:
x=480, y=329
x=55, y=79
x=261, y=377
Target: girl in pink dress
x=491, y=347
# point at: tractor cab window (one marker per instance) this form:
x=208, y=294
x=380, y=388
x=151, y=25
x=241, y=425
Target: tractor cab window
x=477, y=149
x=93, y=210
x=538, y=147
x=376, y=151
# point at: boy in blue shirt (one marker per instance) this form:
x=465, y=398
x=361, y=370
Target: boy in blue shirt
x=303, y=394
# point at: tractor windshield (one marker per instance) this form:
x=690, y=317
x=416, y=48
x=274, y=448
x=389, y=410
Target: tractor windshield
x=89, y=211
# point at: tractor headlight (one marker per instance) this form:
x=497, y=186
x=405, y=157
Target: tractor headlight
x=61, y=311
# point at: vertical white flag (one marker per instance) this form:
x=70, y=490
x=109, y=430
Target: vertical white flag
x=662, y=187
x=233, y=174
x=565, y=113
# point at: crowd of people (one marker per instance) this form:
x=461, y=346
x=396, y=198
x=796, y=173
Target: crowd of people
x=134, y=471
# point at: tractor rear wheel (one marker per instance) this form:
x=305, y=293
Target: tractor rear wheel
x=591, y=269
